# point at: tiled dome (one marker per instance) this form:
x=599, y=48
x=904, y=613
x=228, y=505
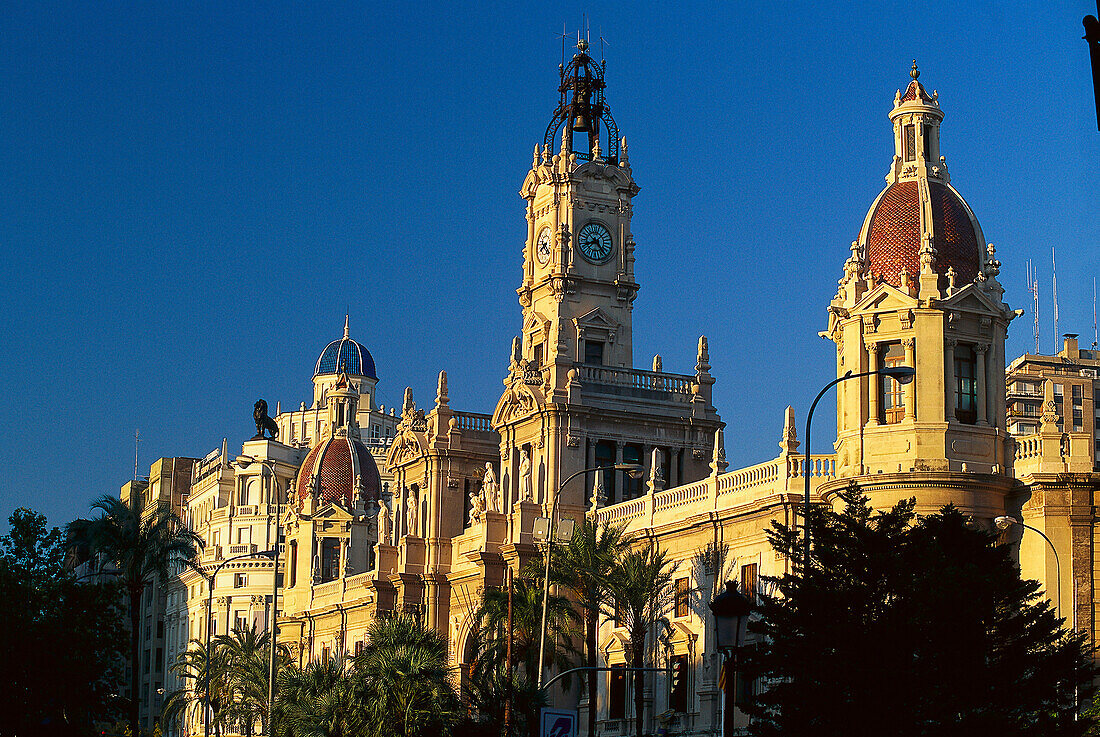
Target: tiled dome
x=345, y=356
x=334, y=464
x=894, y=227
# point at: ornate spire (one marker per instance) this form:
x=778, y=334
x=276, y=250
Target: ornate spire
x=346, y=333
x=441, y=398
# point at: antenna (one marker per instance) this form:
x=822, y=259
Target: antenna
x=563, y=36
x=1094, y=313
x=137, y=439
x=603, y=45
x=1033, y=288
x=1054, y=280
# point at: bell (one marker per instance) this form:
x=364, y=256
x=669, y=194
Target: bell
x=580, y=123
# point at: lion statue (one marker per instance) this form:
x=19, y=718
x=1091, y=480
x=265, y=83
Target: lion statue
x=263, y=421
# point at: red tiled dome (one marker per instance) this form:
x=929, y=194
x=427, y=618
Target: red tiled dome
x=335, y=463
x=915, y=91
x=894, y=234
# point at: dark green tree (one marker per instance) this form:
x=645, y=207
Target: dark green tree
x=405, y=684
x=909, y=626
x=62, y=639
x=141, y=546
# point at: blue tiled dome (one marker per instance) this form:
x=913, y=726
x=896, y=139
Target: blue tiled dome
x=346, y=356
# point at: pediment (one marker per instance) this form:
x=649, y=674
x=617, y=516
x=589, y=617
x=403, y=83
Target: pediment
x=598, y=319
x=406, y=446
x=535, y=321
x=972, y=298
x=332, y=512
x=885, y=297
x=517, y=401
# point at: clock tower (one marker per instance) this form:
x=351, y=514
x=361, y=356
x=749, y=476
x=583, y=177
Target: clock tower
x=573, y=399
x=578, y=266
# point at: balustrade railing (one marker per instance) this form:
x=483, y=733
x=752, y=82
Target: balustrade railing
x=242, y=549
x=774, y=476
x=473, y=421
x=679, y=384
x=1029, y=446
x=326, y=589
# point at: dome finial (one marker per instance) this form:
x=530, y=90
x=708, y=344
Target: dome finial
x=346, y=315
x=914, y=72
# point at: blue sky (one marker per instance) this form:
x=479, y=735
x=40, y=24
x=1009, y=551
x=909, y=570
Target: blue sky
x=194, y=193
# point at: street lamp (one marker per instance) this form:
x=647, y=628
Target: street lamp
x=634, y=470
x=243, y=462
x=1004, y=523
x=731, y=617
x=271, y=554
x=900, y=374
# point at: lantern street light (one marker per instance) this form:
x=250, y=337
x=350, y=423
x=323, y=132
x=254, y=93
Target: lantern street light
x=731, y=617
x=900, y=374
x=634, y=470
x=1004, y=523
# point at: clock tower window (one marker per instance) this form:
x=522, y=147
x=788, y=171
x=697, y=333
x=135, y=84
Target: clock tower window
x=593, y=352
x=893, y=393
x=966, y=386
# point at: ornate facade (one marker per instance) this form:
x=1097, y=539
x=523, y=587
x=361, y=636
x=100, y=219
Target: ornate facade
x=423, y=510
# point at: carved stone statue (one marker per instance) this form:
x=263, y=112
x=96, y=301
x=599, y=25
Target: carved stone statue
x=410, y=514
x=263, y=421
x=477, y=507
x=490, y=489
x=385, y=526
x=525, y=476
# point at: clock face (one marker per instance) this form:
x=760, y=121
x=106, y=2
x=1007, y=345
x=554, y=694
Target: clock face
x=595, y=243
x=542, y=246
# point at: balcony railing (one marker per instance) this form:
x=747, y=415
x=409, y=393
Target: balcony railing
x=473, y=421
x=242, y=549
x=676, y=384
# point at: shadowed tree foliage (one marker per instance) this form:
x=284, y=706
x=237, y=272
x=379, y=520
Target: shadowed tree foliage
x=582, y=568
x=141, y=550
x=62, y=640
x=910, y=626
x=319, y=700
x=405, y=683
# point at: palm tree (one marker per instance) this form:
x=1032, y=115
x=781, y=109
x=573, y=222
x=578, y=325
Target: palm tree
x=561, y=622
x=191, y=665
x=407, y=687
x=319, y=700
x=245, y=656
x=141, y=550
x=641, y=589
x=582, y=568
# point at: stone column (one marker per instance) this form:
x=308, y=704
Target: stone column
x=910, y=389
x=949, y=378
x=980, y=377
x=873, y=384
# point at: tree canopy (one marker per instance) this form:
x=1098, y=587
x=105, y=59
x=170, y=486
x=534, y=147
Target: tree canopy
x=908, y=625
x=63, y=640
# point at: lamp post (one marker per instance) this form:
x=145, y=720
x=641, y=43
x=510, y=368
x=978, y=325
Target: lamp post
x=1003, y=523
x=901, y=374
x=243, y=462
x=632, y=469
x=731, y=616
x=209, y=614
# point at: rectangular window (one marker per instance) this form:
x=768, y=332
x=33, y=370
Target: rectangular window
x=593, y=352
x=538, y=355
x=240, y=580
x=616, y=692
x=160, y=660
x=927, y=142
x=678, y=684
x=605, y=457
x=330, y=559
x=325, y=652
x=293, y=564
x=893, y=393
x=632, y=487
x=244, y=535
x=683, y=596
x=749, y=581
x=966, y=386
x=910, y=143
x=358, y=648
x=240, y=619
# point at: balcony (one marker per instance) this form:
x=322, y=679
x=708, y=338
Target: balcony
x=242, y=549
x=610, y=380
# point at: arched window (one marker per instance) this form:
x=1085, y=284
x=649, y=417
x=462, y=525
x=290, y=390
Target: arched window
x=893, y=393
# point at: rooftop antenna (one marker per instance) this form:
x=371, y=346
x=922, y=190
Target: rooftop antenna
x=564, y=34
x=137, y=439
x=1094, y=313
x=1054, y=284
x=603, y=44
x=1033, y=288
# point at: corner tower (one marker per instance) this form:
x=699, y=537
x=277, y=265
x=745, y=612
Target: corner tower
x=920, y=289
x=578, y=262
